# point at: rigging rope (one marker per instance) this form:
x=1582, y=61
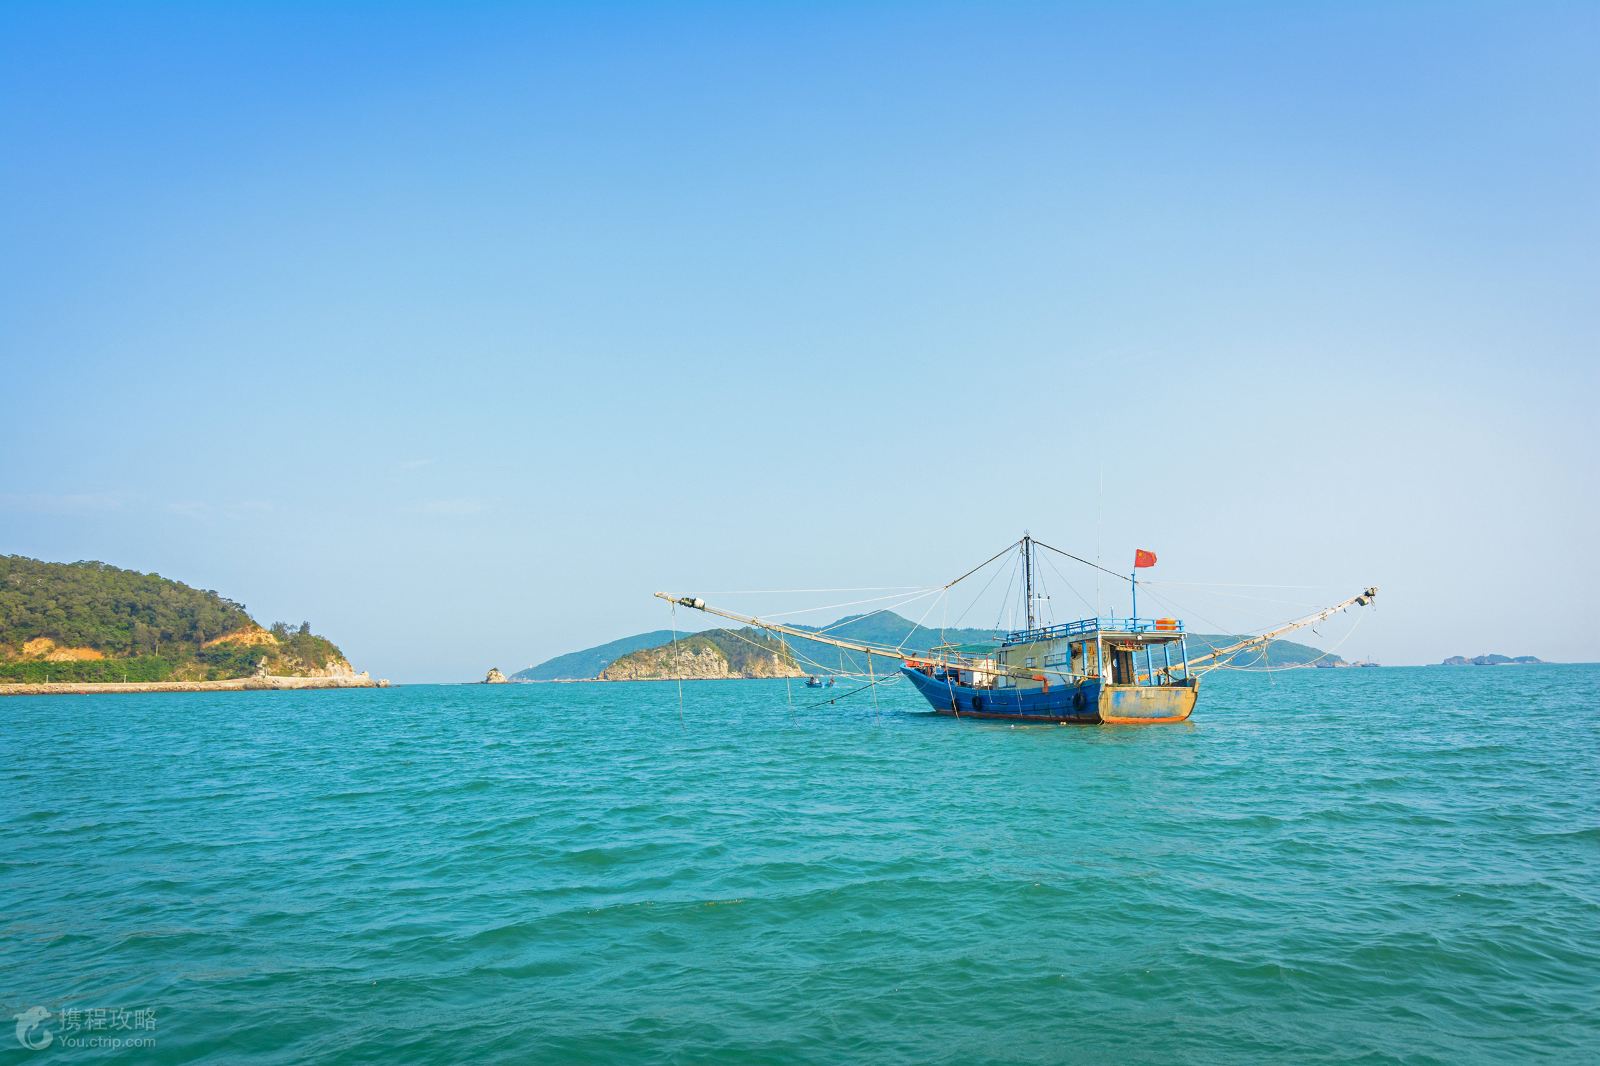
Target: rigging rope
x=1234, y=585
x=922, y=590
x=1070, y=585
x=1005, y=601
x=987, y=585
x=1085, y=562
x=788, y=684
x=872, y=673
x=901, y=646
x=821, y=669
x=925, y=591
x=1175, y=609
x=873, y=685
x=871, y=614
x=1043, y=595
x=783, y=592
x=677, y=665
x=986, y=562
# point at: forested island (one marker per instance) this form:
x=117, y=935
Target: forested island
x=90, y=623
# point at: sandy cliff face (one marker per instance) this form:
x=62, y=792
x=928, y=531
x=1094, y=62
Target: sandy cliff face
x=51, y=652
x=495, y=677
x=248, y=636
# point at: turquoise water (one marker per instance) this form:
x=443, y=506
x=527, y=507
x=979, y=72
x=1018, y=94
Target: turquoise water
x=1375, y=865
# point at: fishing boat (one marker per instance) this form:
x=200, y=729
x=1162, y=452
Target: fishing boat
x=1100, y=670
x=813, y=682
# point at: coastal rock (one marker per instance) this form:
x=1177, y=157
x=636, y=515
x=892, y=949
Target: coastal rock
x=340, y=668
x=495, y=677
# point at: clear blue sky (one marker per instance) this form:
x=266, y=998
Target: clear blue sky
x=459, y=329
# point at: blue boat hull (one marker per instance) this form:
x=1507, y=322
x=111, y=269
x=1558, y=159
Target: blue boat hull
x=1088, y=703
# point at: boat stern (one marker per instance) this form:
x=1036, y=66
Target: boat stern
x=1148, y=704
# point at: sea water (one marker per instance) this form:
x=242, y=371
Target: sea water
x=1393, y=865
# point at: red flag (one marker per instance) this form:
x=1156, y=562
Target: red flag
x=1143, y=558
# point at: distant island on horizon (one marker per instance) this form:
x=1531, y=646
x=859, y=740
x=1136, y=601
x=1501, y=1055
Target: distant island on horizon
x=746, y=653
x=90, y=625
x=1492, y=660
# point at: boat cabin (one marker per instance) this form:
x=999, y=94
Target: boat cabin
x=1115, y=651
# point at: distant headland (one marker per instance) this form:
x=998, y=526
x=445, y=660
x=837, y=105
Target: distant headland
x=93, y=627
x=1491, y=660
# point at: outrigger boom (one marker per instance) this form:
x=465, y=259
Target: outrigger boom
x=698, y=604
x=1361, y=599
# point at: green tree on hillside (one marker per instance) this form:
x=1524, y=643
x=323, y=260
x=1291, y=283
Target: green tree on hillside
x=127, y=615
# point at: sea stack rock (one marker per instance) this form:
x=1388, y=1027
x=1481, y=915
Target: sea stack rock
x=495, y=677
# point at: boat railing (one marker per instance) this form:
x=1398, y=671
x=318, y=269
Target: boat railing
x=1091, y=625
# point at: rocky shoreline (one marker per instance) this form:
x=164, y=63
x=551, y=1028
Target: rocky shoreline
x=232, y=684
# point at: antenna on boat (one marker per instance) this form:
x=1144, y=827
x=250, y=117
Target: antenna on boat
x=1027, y=574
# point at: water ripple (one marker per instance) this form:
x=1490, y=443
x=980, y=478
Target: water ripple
x=1363, y=866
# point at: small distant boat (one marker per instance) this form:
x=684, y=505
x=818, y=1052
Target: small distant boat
x=1117, y=671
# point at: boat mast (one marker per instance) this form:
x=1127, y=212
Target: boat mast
x=1027, y=575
